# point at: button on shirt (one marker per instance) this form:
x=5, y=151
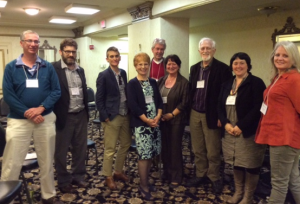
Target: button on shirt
x=74, y=81
x=123, y=109
x=200, y=95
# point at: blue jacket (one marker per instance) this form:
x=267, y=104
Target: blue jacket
x=108, y=94
x=137, y=103
x=20, y=99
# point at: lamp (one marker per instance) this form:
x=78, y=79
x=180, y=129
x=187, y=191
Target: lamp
x=268, y=10
x=123, y=37
x=62, y=20
x=32, y=11
x=2, y=3
x=82, y=9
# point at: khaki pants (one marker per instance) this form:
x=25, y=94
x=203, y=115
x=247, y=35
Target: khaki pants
x=206, y=144
x=117, y=129
x=18, y=137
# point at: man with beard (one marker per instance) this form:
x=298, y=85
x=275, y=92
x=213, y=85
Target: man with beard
x=72, y=118
x=206, y=78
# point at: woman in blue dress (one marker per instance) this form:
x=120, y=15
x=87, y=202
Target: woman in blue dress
x=145, y=104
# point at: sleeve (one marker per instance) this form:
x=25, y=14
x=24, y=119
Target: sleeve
x=253, y=115
x=9, y=94
x=132, y=99
x=101, y=95
x=159, y=98
x=55, y=91
x=185, y=97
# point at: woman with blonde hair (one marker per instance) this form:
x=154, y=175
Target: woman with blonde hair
x=145, y=104
x=280, y=122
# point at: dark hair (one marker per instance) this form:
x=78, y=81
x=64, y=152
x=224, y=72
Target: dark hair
x=68, y=42
x=173, y=58
x=114, y=49
x=242, y=56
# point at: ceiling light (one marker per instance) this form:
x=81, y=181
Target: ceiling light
x=268, y=10
x=82, y=9
x=123, y=37
x=62, y=20
x=32, y=11
x=2, y=3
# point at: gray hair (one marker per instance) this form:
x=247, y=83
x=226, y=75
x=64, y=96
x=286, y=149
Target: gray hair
x=159, y=41
x=212, y=42
x=292, y=52
x=23, y=34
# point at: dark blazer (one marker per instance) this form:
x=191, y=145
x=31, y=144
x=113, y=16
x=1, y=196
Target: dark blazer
x=137, y=103
x=108, y=94
x=248, y=102
x=219, y=73
x=62, y=105
x=178, y=97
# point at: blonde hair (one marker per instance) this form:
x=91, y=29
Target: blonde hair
x=141, y=57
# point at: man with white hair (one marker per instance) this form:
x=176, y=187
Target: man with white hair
x=157, y=67
x=205, y=79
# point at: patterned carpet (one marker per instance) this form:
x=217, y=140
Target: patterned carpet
x=128, y=192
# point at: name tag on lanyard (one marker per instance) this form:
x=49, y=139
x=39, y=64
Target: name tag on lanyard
x=200, y=84
x=75, y=91
x=231, y=100
x=263, y=108
x=32, y=83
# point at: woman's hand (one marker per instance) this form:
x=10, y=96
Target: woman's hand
x=229, y=128
x=237, y=131
x=152, y=123
x=167, y=117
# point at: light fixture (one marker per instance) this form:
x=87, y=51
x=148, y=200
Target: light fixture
x=268, y=10
x=62, y=20
x=32, y=11
x=123, y=37
x=82, y=9
x=2, y=3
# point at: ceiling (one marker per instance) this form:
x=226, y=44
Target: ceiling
x=222, y=10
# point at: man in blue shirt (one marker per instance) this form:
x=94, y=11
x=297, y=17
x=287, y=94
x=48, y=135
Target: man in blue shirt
x=30, y=88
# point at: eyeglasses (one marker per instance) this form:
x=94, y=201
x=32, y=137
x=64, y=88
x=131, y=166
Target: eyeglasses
x=36, y=42
x=69, y=52
x=206, y=48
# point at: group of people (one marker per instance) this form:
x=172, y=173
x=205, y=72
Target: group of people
x=236, y=114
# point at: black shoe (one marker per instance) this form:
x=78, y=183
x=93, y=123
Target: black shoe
x=67, y=189
x=217, y=186
x=80, y=184
x=194, y=182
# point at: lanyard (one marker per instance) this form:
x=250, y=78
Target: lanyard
x=267, y=95
x=234, y=89
x=37, y=71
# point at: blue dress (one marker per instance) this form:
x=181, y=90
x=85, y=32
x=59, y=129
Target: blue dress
x=148, y=139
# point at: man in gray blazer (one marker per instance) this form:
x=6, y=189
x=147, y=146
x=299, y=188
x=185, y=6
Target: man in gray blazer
x=112, y=105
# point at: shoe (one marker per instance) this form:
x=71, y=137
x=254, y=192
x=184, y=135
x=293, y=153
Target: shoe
x=194, y=182
x=121, y=176
x=146, y=195
x=217, y=186
x=152, y=188
x=52, y=200
x=67, y=189
x=80, y=184
x=174, y=185
x=111, y=183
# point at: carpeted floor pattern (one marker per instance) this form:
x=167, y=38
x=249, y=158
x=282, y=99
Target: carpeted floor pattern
x=97, y=192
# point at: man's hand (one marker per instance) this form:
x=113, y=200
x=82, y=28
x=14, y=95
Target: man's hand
x=33, y=112
x=219, y=123
x=38, y=119
x=107, y=120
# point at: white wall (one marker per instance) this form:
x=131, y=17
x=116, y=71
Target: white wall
x=250, y=35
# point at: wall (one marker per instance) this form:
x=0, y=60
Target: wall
x=250, y=35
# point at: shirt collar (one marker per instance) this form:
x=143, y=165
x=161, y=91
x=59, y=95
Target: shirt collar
x=20, y=61
x=65, y=66
x=207, y=67
x=158, y=62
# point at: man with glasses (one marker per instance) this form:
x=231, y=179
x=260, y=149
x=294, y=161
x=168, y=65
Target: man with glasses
x=72, y=118
x=206, y=78
x=111, y=101
x=30, y=88
x=157, y=67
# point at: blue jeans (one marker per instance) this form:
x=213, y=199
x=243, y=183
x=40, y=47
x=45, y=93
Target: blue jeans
x=284, y=173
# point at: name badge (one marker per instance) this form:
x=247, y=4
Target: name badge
x=75, y=91
x=263, y=108
x=123, y=98
x=148, y=99
x=165, y=100
x=200, y=84
x=231, y=100
x=32, y=83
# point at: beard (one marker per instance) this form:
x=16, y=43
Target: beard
x=69, y=60
x=206, y=58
